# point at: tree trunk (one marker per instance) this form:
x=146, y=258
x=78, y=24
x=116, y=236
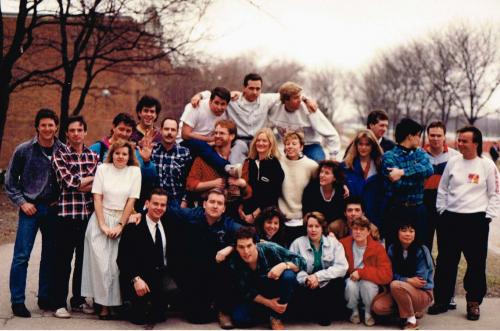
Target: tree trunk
x=4, y=103
x=65, y=98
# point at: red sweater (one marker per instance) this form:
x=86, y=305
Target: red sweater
x=377, y=265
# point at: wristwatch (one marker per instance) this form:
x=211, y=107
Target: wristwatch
x=287, y=266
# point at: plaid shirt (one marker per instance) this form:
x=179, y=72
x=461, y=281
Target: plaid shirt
x=270, y=254
x=171, y=167
x=417, y=167
x=70, y=168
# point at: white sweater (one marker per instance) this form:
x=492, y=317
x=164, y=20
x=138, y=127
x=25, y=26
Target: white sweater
x=469, y=186
x=298, y=173
x=315, y=126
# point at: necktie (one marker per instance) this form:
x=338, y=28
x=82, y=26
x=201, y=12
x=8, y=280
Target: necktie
x=159, y=248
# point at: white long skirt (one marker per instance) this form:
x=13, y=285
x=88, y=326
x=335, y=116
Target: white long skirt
x=100, y=273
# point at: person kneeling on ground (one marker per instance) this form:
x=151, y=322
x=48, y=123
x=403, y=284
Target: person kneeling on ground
x=266, y=276
x=320, y=296
x=411, y=288
x=369, y=267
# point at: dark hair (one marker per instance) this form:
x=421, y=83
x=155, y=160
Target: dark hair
x=477, y=137
x=251, y=76
x=408, y=266
x=169, y=119
x=246, y=232
x=148, y=101
x=362, y=222
x=46, y=113
x=268, y=214
x=436, y=124
x=157, y=191
x=319, y=217
x=77, y=118
x=124, y=118
x=338, y=172
x=407, y=127
x=222, y=93
x=376, y=116
x=354, y=200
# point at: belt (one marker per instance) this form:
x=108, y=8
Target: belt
x=409, y=204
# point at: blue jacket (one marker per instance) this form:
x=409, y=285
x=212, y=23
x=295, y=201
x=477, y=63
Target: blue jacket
x=425, y=266
x=370, y=190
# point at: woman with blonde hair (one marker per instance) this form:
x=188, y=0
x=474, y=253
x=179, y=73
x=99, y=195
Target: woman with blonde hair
x=363, y=175
x=263, y=172
x=117, y=184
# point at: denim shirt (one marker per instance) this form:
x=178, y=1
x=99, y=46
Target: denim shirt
x=425, y=267
x=333, y=259
x=270, y=254
x=29, y=176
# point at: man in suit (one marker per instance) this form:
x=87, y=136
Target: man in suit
x=143, y=263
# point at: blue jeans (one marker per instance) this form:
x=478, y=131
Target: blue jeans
x=247, y=314
x=207, y=153
x=314, y=152
x=44, y=219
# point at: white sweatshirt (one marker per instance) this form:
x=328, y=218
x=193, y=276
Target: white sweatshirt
x=298, y=173
x=315, y=126
x=469, y=186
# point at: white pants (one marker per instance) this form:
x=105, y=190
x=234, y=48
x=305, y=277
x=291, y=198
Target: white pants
x=362, y=289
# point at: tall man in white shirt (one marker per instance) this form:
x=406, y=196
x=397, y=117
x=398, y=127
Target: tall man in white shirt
x=468, y=199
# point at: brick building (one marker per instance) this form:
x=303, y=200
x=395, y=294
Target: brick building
x=112, y=93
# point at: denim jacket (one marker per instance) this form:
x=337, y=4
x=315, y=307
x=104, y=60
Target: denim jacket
x=332, y=259
x=30, y=177
x=425, y=267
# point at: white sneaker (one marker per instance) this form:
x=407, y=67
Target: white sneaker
x=62, y=313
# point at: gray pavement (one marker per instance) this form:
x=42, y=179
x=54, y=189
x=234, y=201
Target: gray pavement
x=490, y=316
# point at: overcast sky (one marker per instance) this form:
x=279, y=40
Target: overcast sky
x=346, y=34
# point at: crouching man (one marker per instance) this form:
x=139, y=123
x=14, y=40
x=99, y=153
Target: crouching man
x=266, y=274
x=143, y=263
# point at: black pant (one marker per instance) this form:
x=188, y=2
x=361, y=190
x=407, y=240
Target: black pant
x=201, y=286
x=70, y=240
x=320, y=304
x=152, y=307
x=467, y=234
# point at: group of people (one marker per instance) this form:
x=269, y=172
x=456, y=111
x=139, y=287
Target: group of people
x=241, y=212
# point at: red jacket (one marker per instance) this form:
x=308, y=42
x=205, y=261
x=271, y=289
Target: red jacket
x=377, y=265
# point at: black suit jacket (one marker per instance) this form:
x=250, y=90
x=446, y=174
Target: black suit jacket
x=387, y=144
x=136, y=257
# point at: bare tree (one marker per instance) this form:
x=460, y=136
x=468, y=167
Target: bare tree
x=325, y=87
x=475, y=53
x=16, y=43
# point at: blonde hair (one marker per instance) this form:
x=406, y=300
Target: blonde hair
x=294, y=134
x=273, y=151
x=132, y=160
x=375, y=155
x=287, y=90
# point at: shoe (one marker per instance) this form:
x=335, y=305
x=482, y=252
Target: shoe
x=20, y=310
x=355, y=318
x=62, y=313
x=453, y=304
x=324, y=322
x=473, y=310
x=83, y=308
x=45, y=304
x=437, y=308
x=276, y=323
x=225, y=321
x=410, y=326
x=369, y=321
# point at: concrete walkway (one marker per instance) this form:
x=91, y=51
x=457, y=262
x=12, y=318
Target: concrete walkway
x=490, y=316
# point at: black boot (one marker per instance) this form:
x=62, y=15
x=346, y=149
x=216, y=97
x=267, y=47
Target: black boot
x=20, y=310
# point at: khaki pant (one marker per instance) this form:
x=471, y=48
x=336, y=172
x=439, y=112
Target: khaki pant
x=409, y=300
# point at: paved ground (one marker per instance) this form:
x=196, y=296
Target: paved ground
x=490, y=318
